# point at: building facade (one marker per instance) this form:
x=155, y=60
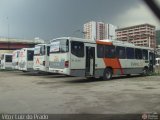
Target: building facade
x=99, y=31
x=111, y=34
x=140, y=35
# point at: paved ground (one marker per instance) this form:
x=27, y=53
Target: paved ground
x=27, y=93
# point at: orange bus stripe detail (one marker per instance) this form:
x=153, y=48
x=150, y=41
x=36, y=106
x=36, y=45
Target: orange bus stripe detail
x=114, y=63
x=104, y=43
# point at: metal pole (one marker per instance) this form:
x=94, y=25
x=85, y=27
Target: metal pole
x=8, y=32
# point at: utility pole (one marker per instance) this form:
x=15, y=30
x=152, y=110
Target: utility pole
x=8, y=31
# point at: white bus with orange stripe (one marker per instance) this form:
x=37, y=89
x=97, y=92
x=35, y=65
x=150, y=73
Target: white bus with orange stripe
x=25, y=61
x=103, y=58
x=41, y=58
x=15, y=58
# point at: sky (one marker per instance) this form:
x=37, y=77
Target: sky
x=48, y=19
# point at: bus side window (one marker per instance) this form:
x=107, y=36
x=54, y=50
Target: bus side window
x=100, y=51
x=130, y=53
x=120, y=52
x=109, y=51
x=138, y=53
x=30, y=55
x=48, y=50
x=77, y=48
x=152, y=58
x=145, y=54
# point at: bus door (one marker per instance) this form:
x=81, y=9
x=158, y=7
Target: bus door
x=90, y=61
x=151, y=61
x=47, y=57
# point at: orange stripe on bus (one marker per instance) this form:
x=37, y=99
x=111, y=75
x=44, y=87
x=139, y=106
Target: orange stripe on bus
x=114, y=63
x=104, y=43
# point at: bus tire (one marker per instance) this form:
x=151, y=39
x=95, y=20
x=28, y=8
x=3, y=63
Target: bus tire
x=145, y=71
x=107, y=75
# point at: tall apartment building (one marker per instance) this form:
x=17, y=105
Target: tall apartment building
x=140, y=35
x=99, y=31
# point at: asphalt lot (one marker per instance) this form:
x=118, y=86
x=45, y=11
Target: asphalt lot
x=32, y=93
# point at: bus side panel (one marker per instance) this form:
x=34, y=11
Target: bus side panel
x=15, y=60
x=8, y=65
x=29, y=65
x=115, y=65
x=99, y=67
x=3, y=64
x=77, y=66
x=46, y=63
x=133, y=66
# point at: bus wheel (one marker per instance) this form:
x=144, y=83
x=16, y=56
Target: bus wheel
x=145, y=71
x=107, y=75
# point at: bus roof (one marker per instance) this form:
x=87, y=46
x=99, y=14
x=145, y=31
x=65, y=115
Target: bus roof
x=121, y=43
x=105, y=41
x=74, y=38
x=27, y=49
x=6, y=54
x=41, y=44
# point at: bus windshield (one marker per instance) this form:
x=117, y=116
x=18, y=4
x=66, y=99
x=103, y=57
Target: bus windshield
x=8, y=58
x=30, y=55
x=59, y=46
x=39, y=50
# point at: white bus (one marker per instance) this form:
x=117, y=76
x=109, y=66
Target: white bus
x=6, y=61
x=41, y=58
x=15, y=58
x=103, y=58
x=25, y=62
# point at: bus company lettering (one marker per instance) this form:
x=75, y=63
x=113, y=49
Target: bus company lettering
x=75, y=60
x=136, y=64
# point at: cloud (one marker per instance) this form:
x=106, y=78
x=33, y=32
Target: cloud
x=137, y=15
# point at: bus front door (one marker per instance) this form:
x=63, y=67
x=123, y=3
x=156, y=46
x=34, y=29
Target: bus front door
x=151, y=61
x=90, y=61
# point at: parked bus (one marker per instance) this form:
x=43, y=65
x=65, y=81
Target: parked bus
x=25, y=62
x=6, y=61
x=103, y=58
x=15, y=58
x=41, y=57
